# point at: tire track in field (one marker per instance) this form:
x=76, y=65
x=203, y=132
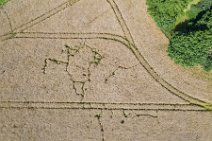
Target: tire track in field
x=146, y=65
x=40, y=18
x=127, y=41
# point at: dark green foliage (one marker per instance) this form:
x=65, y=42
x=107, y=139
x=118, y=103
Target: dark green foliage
x=165, y=12
x=191, y=49
x=190, y=41
x=208, y=63
x=205, y=4
x=206, y=19
x=194, y=47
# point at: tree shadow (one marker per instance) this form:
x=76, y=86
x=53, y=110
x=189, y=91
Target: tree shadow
x=191, y=25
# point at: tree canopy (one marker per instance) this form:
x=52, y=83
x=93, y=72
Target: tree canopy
x=188, y=25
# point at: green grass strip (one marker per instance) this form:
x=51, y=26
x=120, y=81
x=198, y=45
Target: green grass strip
x=3, y=2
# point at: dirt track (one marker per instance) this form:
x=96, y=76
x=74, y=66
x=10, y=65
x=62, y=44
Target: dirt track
x=105, y=61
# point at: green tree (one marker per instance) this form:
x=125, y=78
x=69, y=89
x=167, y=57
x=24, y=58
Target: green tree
x=190, y=38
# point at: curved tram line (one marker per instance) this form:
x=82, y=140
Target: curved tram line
x=127, y=40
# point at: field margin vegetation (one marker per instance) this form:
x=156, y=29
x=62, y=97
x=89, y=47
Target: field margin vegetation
x=3, y=2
